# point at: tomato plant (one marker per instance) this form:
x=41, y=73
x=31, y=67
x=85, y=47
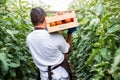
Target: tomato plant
x=96, y=44
x=15, y=61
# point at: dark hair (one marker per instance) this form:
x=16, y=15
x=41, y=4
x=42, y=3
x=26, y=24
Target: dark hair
x=37, y=15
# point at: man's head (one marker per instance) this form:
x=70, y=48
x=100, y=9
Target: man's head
x=37, y=16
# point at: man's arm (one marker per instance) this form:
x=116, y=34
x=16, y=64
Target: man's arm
x=69, y=40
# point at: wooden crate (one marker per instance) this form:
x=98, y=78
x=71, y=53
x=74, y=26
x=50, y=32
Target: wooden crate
x=62, y=26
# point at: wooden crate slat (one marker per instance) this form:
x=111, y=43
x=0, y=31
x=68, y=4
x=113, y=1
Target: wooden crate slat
x=60, y=17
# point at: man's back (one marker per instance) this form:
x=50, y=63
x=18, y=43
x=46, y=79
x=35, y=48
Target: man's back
x=46, y=49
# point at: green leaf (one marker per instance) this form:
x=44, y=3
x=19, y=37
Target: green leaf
x=115, y=20
x=106, y=17
x=11, y=32
x=98, y=57
x=114, y=28
x=101, y=64
x=105, y=54
x=9, y=23
x=4, y=65
x=12, y=73
x=116, y=58
x=0, y=1
x=94, y=22
x=116, y=61
x=116, y=76
x=91, y=57
x=4, y=48
x=117, y=53
x=97, y=44
x=99, y=9
x=14, y=65
x=99, y=75
x=84, y=21
x=7, y=39
x=1, y=43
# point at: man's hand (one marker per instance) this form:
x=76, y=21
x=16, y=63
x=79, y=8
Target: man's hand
x=71, y=30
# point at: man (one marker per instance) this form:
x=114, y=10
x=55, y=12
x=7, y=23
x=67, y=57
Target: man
x=48, y=50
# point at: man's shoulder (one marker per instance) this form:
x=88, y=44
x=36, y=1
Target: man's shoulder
x=29, y=35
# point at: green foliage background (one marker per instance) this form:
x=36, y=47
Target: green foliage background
x=96, y=48
x=15, y=60
x=96, y=43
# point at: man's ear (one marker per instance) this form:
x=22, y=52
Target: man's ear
x=45, y=23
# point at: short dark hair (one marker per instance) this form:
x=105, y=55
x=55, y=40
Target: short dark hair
x=37, y=15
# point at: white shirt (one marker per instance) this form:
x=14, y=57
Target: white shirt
x=47, y=49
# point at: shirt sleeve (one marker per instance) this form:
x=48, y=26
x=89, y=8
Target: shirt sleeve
x=63, y=45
